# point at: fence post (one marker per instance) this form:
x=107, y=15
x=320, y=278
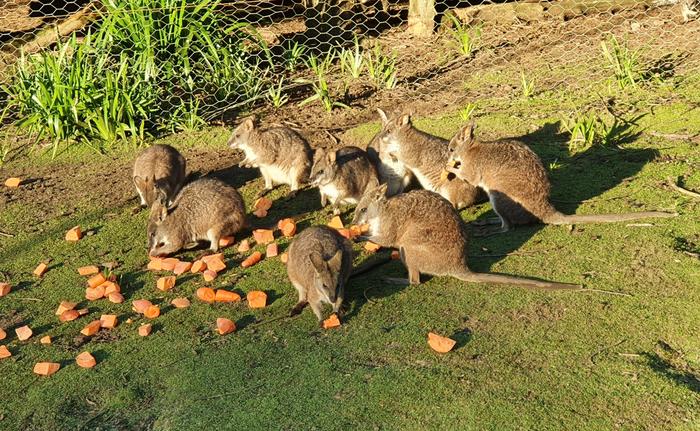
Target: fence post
x=421, y=17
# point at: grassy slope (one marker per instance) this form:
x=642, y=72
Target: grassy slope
x=524, y=359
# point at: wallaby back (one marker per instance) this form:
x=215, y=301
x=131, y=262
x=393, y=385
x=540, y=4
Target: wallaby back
x=158, y=167
x=391, y=171
x=344, y=175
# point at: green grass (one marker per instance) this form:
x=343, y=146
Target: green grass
x=526, y=360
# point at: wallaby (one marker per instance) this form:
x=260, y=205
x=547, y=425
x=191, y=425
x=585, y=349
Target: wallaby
x=425, y=156
x=516, y=182
x=430, y=235
x=342, y=176
x=319, y=265
x=282, y=155
x=159, y=167
x=391, y=171
x=204, y=210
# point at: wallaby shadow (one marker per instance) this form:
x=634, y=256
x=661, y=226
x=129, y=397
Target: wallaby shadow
x=234, y=175
x=667, y=369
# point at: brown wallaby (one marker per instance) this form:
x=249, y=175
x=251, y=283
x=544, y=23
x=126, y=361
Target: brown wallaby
x=205, y=210
x=158, y=167
x=282, y=155
x=319, y=265
x=516, y=182
x=391, y=171
x=425, y=156
x=430, y=235
x=342, y=176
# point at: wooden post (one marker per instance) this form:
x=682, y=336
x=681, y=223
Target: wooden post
x=421, y=17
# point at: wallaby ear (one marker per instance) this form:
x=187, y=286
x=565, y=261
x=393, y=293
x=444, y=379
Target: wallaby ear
x=140, y=183
x=332, y=156
x=248, y=124
x=405, y=119
x=380, y=192
x=466, y=133
x=319, y=154
x=336, y=261
x=318, y=263
x=382, y=115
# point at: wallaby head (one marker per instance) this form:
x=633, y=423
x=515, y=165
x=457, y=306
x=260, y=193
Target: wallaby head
x=327, y=275
x=241, y=134
x=159, y=243
x=368, y=207
x=459, y=144
x=324, y=168
x=392, y=127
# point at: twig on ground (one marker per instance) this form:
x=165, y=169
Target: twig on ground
x=30, y=299
x=6, y=235
x=680, y=189
x=611, y=292
x=603, y=349
x=674, y=136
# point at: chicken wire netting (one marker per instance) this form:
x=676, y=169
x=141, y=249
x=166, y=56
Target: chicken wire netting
x=111, y=71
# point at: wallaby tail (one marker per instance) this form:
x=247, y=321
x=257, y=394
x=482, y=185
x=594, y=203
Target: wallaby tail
x=559, y=218
x=480, y=277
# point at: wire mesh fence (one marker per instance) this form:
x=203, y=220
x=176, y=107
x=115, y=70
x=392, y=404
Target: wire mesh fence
x=123, y=71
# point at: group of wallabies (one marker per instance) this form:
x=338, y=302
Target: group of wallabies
x=423, y=223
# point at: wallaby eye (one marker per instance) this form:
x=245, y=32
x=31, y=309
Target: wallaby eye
x=363, y=210
x=160, y=244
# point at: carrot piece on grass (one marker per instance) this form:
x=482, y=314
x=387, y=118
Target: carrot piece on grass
x=331, y=322
x=244, y=246
x=83, y=311
x=440, y=344
x=155, y=264
x=45, y=340
x=4, y=352
x=145, y=329
x=226, y=296
x=111, y=287
x=93, y=294
x=262, y=203
x=272, y=250
x=226, y=241
x=3, y=334
x=88, y=270
x=96, y=280
x=209, y=275
x=40, y=269
x=69, y=315
x=288, y=227
x=372, y=247
x=182, y=267
x=284, y=257
x=74, y=234
x=46, y=368
x=91, y=328
x=252, y=259
x=13, y=182
x=263, y=236
x=109, y=321
x=210, y=257
x=115, y=298
x=180, y=302
x=206, y=294
x=216, y=265
x=140, y=305
x=5, y=289
x=85, y=360
x=260, y=213
x=346, y=233
x=152, y=312
x=225, y=326
x=256, y=299
x=23, y=333
x=336, y=223
x=168, y=264
x=198, y=266
x=166, y=283
x=395, y=255
x=65, y=306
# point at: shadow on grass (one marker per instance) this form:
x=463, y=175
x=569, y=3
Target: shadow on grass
x=681, y=375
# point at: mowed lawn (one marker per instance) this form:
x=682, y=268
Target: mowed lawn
x=623, y=356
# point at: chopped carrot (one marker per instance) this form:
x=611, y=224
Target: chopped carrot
x=91, y=328
x=227, y=296
x=168, y=264
x=288, y=227
x=140, y=305
x=244, y=246
x=65, y=306
x=93, y=294
x=83, y=311
x=3, y=334
x=155, y=264
x=180, y=302
x=440, y=344
x=145, y=329
x=85, y=360
x=116, y=298
x=74, y=234
x=23, y=333
x=272, y=250
x=12, y=182
x=111, y=287
x=336, y=223
x=355, y=231
x=395, y=255
x=109, y=321
x=4, y=352
x=198, y=266
x=345, y=233
x=216, y=265
x=260, y=213
x=372, y=247
x=40, y=269
x=252, y=259
x=5, y=288
x=263, y=236
x=256, y=299
x=225, y=326
x=216, y=256
x=331, y=322
x=96, y=280
x=88, y=270
x=284, y=257
x=69, y=315
x=152, y=312
x=209, y=275
x=206, y=294
x=45, y=340
x=364, y=228
x=226, y=241
x=182, y=267
x=166, y=283
x=262, y=203
x=46, y=368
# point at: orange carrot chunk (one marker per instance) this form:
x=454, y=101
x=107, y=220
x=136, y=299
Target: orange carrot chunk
x=180, y=302
x=83, y=311
x=145, y=329
x=331, y=322
x=256, y=299
x=5, y=289
x=23, y=333
x=116, y=298
x=226, y=296
x=209, y=275
x=226, y=241
x=440, y=344
x=206, y=294
x=288, y=227
x=216, y=256
x=140, y=305
x=336, y=223
x=88, y=270
x=252, y=259
x=65, y=306
x=198, y=266
x=345, y=233
x=74, y=234
x=168, y=264
x=260, y=213
x=284, y=257
x=108, y=321
x=45, y=340
x=96, y=280
x=46, y=368
x=155, y=264
x=85, y=360
x=355, y=231
x=166, y=283
x=263, y=236
x=95, y=293
x=372, y=247
x=12, y=182
x=91, y=328
x=4, y=352
x=152, y=312
x=216, y=265
x=40, y=269
x=262, y=203
x=111, y=287
x=3, y=334
x=244, y=246
x=272, y=250
x=225, y=326
x=182, y=267
x=69, y=315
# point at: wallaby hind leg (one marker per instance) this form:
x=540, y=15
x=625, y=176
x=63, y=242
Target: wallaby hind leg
x=317, y=309
x=213, y=235
x=487, y=221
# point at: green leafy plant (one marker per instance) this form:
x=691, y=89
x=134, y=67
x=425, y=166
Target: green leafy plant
x=624, y=62
x=582, y=131
x=293, y=56
x=527, y=85
x=381, y=68
x=464, y=37
x=276, y=96
x=352, y=61
x=553, y=166
x=465, y=114
x=186, y=117
x=322, y=94
x=588, y=130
